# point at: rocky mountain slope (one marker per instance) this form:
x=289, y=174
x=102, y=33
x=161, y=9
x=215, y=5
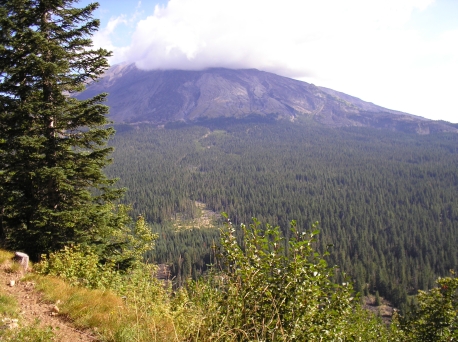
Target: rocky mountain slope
x=163, y=96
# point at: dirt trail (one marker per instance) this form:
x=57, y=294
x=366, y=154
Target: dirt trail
x=33, y=309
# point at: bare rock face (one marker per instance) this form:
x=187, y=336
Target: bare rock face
x=22, y=259
x=163, y=96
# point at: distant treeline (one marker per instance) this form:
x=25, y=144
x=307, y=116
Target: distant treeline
x=386, y=201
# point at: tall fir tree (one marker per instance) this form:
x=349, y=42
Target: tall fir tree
x=52, y=146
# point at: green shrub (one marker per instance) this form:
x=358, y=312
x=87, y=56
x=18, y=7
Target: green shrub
x=84, y=265
x=266, y=293
x=435, y=317
x=79, y=266
x=137, y=306
x=378, y=300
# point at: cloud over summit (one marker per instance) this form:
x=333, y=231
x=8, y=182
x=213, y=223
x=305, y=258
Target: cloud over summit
x=292, y=36
x=364, y=48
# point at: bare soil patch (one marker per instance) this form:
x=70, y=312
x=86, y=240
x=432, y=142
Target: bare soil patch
x=385, y=310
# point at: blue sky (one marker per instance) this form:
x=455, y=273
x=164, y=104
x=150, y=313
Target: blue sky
x=400, y=54
x=131, y=11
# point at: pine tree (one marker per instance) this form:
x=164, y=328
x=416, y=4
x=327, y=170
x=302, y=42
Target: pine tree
x=378, y=301
x=52, y=146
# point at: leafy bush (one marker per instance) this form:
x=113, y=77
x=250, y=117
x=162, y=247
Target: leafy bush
x=78, y=265
x=83, y=265
x=435, y=318
x=136, y=307
x=130, y=244
x=270, y=289
x=265, y=288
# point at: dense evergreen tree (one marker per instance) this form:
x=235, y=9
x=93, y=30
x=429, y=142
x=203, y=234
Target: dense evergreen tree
x=53, y=147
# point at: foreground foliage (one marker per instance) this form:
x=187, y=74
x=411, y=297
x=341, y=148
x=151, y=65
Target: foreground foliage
x=435, y=317
x=81, y=265
x=265, y=288
x=261, y=287
x=272, y=289
x=33, y=333
x=121, y=304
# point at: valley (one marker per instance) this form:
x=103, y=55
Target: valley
x=385, y=201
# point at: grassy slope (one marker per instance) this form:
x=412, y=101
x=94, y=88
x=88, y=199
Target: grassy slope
x=103, y=313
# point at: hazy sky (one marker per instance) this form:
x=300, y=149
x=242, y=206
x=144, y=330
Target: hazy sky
x=399, y=54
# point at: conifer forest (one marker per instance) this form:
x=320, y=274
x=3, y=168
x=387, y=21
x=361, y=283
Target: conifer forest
x=385, y=202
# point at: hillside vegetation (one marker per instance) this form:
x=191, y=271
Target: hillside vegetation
x=385, y=201
x=254, y=293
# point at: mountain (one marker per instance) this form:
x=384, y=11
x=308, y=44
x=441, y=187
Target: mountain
x=164, y=96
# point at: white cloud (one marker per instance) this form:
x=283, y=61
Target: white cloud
x=284, y=36
x=356, y=46
x=103, y=37
x=114, y=29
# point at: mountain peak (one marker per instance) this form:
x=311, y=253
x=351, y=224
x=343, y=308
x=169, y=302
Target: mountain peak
x=163, y=96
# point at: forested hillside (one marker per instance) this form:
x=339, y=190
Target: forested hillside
x=386, y=201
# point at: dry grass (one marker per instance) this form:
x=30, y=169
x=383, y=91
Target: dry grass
x=8, y=265
x=107, y=314
x=14, y=267
x=5, y=256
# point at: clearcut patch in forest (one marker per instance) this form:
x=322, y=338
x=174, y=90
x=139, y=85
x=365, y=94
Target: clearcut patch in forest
x=209, y=139
x=200, y=218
